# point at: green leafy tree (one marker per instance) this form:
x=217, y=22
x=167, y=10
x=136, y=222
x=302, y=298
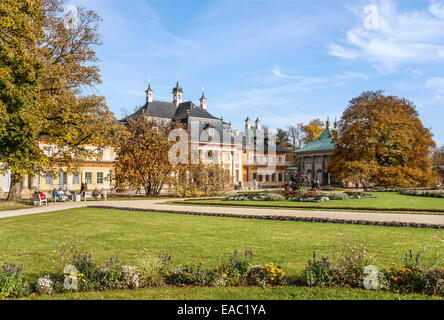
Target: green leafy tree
x=45, y=69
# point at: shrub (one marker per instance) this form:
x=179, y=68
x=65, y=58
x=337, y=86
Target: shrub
x=186, y=276
x=110, y=277
x=89, y=276
x=350, y=261
x=130, y=277
x=235, y=272
x=270, y=274
x=423, y=193
x=317, y=272
x=12, y=281
x=256, y=196
x=153, y=270
x=298, y=181
x=413, y=277
x=64, y=255
x=44, y=285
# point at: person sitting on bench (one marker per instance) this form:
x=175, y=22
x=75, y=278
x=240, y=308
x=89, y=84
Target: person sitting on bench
x=56, y=196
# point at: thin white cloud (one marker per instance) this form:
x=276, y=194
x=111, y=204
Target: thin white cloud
x=283, y=95
x=277, y=72
x=320, y=80
x=437, y=83
x=395, y=37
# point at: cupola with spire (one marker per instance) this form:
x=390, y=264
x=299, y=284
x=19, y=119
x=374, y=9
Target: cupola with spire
x=258, y=124
x=203, y=101
x=149, y=93
x=177, y=94
x=247, y=123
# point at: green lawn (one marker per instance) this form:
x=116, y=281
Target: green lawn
x=29, y=240
x=390, y=200
x=5, y=206
x=250, y=293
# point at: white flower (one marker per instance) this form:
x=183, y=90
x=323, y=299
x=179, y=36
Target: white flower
x=44, y=285
x=130, y=277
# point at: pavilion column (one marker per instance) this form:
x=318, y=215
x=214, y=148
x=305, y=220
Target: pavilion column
x=313, y=167
x=324, y=173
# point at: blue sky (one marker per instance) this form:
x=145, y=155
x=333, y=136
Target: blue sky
x=283, y=61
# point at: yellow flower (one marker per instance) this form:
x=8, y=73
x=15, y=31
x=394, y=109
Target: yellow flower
x=83, y=280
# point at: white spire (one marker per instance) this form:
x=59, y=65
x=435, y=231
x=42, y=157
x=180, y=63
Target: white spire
x=149, y=92
x=203, y=101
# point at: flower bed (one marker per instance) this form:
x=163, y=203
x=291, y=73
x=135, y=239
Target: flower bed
x=300, y=195
x=349, y=266
x=352, y=267
x=424, y=193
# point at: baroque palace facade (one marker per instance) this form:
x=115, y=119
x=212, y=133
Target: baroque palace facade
x=248, y=156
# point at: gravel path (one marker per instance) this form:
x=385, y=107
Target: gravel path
x=157, y=205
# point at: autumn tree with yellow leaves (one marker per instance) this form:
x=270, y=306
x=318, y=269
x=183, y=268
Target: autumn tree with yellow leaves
x=312, y=130
x=142, y=155
x=45, y=69
x=383, y=142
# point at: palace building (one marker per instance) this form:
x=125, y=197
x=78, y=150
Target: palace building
x=248, y=156
x=258, y=163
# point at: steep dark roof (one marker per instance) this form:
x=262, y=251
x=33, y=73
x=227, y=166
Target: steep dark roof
x=195, y=111
x=159, y=109
x=168, y=110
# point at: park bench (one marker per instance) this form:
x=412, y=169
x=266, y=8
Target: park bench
x=39, y=199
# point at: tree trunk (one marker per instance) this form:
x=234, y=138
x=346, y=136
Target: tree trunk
x=15, y=188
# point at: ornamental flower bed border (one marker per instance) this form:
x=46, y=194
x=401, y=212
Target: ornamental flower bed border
x=284, y=218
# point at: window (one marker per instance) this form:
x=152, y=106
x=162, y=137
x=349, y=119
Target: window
x=308, y=160
x=260, y=178
x=7, y=181
x=210, y=131
x=280, y=159
x=49, y=180
x=318, y=159
x=75, y=179
x=99, y=177
x=273, y=177
x=280, y=177
x=88, y=177
x=267, y=178
x=236, y=157
x=49, y=151
x=226, y=156
x=254, y=176
x=328, y=159
x=63, y=178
